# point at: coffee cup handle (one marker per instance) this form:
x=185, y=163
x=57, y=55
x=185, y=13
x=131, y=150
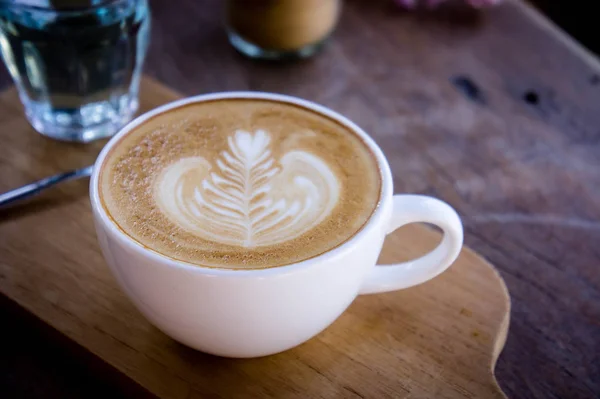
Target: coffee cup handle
x=414, y=209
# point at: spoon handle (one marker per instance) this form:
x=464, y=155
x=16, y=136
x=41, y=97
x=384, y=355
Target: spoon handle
x=34, y=188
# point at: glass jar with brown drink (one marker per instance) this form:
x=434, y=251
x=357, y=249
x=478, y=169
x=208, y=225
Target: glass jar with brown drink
x=280, y=29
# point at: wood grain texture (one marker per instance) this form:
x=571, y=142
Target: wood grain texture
x=516, y=151
x=438, y=340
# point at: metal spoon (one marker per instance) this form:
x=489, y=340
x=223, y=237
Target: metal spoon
x=34, y=188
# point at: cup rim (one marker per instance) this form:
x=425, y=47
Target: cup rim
x=385, y=193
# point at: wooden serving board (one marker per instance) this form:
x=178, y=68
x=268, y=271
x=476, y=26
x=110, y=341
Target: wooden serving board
x=437, y=340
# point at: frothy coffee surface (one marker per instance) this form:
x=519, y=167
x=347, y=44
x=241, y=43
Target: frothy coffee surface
x=240, y=184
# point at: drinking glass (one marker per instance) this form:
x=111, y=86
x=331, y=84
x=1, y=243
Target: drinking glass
x=76, y=63
x=280, y=29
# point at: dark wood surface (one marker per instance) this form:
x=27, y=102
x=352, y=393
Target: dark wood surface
x=497, y=113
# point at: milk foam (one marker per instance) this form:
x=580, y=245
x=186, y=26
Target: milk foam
x=240, y=184
x=247, y=197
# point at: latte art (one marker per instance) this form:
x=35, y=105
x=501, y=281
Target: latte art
x=239, y=183
x=248, y=198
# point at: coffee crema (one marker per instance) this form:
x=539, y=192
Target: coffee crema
x=240, y=183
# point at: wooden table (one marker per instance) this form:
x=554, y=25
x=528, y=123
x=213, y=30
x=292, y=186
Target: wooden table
x=496, y=113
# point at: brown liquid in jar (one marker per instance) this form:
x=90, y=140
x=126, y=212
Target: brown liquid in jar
x=283, y=24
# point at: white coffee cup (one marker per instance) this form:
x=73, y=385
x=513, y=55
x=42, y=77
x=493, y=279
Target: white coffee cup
x=249, y=313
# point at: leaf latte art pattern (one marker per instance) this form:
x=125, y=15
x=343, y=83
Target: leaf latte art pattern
x=246, y=197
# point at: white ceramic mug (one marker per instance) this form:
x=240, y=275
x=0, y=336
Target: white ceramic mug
x=248, y=313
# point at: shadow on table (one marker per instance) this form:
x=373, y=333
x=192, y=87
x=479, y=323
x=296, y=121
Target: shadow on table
x=39, y=362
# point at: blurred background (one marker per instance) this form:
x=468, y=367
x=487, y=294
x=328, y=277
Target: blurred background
x=200, y=34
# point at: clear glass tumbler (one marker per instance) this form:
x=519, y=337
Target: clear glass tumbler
x=76, y=63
